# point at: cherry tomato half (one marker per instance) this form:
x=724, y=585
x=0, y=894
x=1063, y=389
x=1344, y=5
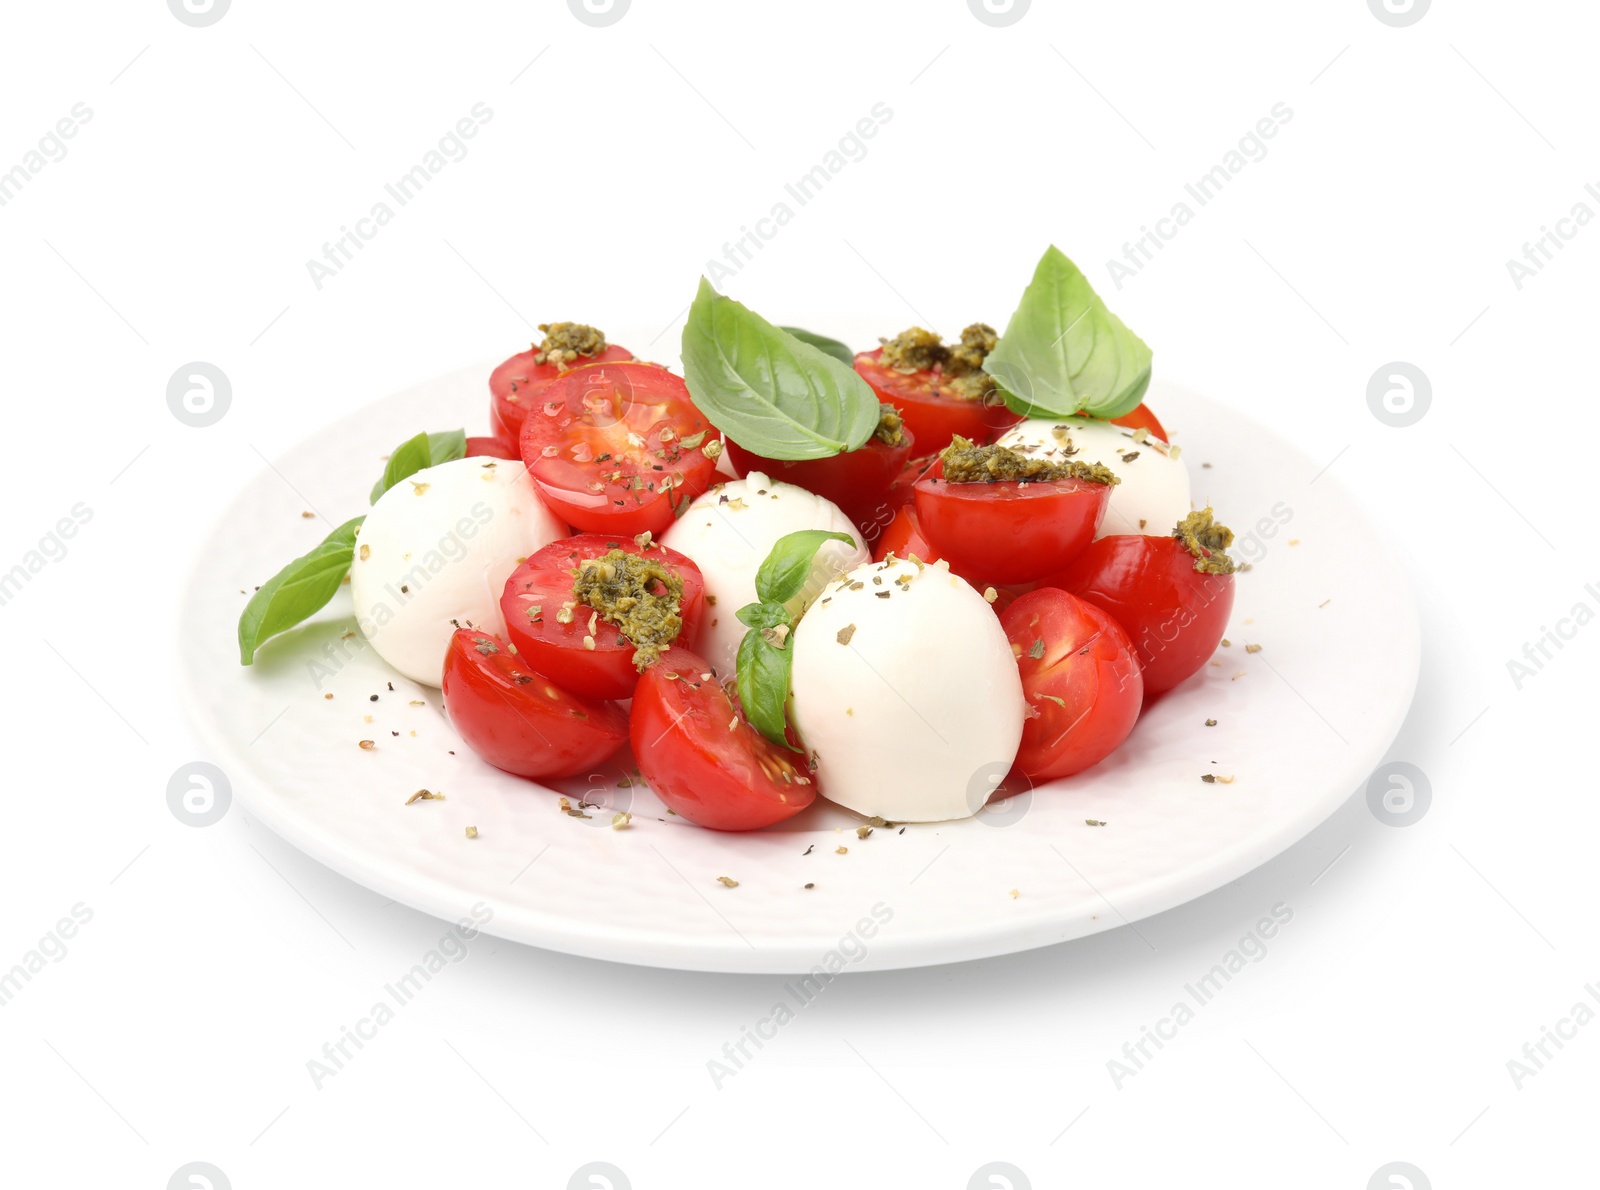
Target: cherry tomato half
x=1009, y=532
x=1142, y=419
x=491, y=448
x=536, y=591
x=515, y=387
x=605, y=448
x=1079, y=677
x=520, y=721
x=702, y=757
x=1174, y=614
x=932, y=409
x=858, y=481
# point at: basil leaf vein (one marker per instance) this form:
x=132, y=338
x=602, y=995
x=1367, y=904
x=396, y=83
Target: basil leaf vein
x=298, y=591
x=763, y=684
x=415, y=454
x=1064, y=352
x=770, y=392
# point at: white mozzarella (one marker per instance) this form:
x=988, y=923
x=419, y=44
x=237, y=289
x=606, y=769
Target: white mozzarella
x=912, y=703
x=1154, y=493
x=435, y=550
x=729, y=531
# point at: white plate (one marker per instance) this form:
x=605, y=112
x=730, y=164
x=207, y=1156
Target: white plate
x=1300, y=724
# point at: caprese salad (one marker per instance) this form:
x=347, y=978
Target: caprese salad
x=790, y=570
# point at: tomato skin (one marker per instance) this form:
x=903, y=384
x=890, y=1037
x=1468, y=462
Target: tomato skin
x=1009, y=532
x=932, y=410
x=556, y=649
x=515, y=385
x=715, y=777
x=582, y=446
x=491, y=448
x=520, y=721
x=858, y=481
x=1142, y=419
x=1087, y=662
x=1174, y=614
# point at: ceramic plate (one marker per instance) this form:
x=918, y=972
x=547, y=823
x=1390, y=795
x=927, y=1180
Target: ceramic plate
x=1300, y=724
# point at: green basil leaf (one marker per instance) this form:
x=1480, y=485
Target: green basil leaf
x=786, y=568
x=763, y=684
x=764, y=615
x=833, y=347
x=414, y=454
x=298, y=591
x=767, y=390
x=1064, y=352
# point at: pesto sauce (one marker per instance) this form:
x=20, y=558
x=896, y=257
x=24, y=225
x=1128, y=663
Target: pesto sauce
x=638, y=595
x=1207, y=540
x=889, y=425
x=565, y=342
x=966, y=463
x=960, y=365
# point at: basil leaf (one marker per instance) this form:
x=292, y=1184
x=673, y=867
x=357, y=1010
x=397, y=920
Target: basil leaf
x=763, y=685
x=770, y=392
x=764, y=615
x=833, y=347
x=1064, y=353
x=787, y=567
x=414, y=454
x=298, y=591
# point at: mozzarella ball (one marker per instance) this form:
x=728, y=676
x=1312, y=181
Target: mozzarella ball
x=729, y=531
x=1154, y=493
x=905, y=689
x=436, y=549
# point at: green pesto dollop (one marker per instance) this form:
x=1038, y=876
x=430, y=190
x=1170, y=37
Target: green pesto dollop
x=636, y=594
x=960, y=365
x=914, y=350
x=889, y=431
x=565, y=342
x=1207, y=540
x=966, y=463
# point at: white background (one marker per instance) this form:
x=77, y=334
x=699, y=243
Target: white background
x=1377, y=228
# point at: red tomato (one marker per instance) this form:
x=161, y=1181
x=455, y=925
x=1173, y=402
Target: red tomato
x=702, y=757
x=1009, y=532
x=544, y=582
x=520, y=721
x=1173, y=613
x=605, y=448
x=1079, y=678
x=933, y=411
x=857, y=481
x=491, y=448
x=903, y=538
x=515, y=387
x=1142, y=419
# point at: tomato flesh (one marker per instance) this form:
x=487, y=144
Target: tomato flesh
x=604, y=445
x=932, y=410
x=701, y=756
x=1142, y=419
x=1174, y=614
x=520, y=721
x=1009, y=532
x=491, y=448
x=858, y=481
x=1080, y=679
x=536, y=591
x=514, y=388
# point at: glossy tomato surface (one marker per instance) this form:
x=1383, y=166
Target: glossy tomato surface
x=858, y=481
x=1142, y=419
x=702, y=757
x=932, y=409
x=1174, y=614
x=1080, y=679
x=536, y=591
x=605, y=445
x=514, y=388
x=520, y=721
x=491, y=448
x=1009, y=532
